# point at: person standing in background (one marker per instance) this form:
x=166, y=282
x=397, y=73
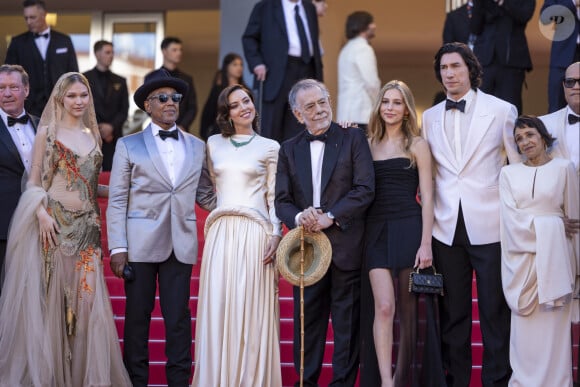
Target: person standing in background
x=111, y=99
x=172, y=49
x=44, y=53
x=358, y=77
x=17, y=130
x=457, y=25
x=281, y=46
x=565, y=49
x=231, y=73
x=501, y=46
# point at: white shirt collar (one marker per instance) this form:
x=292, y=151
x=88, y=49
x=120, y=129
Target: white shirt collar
x=4, y=116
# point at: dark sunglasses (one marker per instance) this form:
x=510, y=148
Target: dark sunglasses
x=165, y=97
x=570, y=82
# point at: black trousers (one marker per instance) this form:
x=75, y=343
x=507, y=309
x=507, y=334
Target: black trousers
x=457, y=263
x=277, y=120
x=336, y=294
x=174, y=283
x=505, y=83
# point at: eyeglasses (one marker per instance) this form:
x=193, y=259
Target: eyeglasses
x=570, y=82
x=163, y=98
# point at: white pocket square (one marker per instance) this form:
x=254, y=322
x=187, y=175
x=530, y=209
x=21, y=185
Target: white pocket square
x=62, y=50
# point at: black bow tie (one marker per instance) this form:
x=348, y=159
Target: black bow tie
x=320, y=137
x=20, y=120
x=573, y=119
x=168, y=133
x=45, y=35
x=449, y=104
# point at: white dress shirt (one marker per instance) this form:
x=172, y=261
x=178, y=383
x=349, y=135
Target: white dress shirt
x=23, y=137
x=316, y=158
x=294, y=48
x=42, y=43
x=457, y=124
x=172, y=152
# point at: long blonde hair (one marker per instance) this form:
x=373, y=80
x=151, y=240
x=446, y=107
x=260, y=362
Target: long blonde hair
x=377, y=129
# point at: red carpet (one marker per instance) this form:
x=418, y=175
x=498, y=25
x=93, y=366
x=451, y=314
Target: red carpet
x=289, y=376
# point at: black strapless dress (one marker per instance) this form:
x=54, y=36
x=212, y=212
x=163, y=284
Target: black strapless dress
x=394, y=223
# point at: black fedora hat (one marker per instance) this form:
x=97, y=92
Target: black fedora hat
x=156, y=80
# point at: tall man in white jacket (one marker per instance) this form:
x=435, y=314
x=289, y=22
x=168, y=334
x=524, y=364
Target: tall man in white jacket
x=358, y=77
x=469, y=134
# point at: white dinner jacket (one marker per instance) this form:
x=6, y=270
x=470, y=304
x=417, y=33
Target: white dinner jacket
x=149, y=215
x=556, y=124
x=474, y=181
x=358, y=81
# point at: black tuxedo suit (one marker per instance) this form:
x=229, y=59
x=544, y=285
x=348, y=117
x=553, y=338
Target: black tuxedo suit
x=502, y=47
x=111, y=100
x=11, y=172
x=456, y=27
x=347, y=189
x=60, y=58
x=563, y=54
x=265, y=41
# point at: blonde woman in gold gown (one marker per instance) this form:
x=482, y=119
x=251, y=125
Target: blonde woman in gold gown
x=237, y=326
x=57, y=327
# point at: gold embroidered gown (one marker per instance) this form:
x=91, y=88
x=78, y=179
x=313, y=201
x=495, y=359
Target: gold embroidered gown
x=57, y=327
x=237, y=327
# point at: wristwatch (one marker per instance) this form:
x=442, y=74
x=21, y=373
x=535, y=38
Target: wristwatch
x=330, y=216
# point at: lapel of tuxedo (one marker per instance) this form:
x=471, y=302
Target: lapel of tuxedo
x=439, y=136
x=188, y=167
x=279, y=16
x=154, y=155
x=331, y=151
x=312, y=27
x=303, y=163
x=478, y=127
x=6, y=139
x=33, y=121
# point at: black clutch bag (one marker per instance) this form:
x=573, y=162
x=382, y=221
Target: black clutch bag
x=421, y=281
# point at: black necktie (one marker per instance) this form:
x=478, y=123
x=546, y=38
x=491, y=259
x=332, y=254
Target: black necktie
x=20, y=120
x=449, y=104
x=573, y=119
x=304, y=50
x=320, y=137
x=168, y=133
x=45, y=35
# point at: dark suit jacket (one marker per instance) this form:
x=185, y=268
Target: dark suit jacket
x=60, y=58
x=456, y=27
x=500, y=30
x=562, y=54
x=111, y=101
x=11, y=172
x=347, y=188
x=265, y=41
x=188, y=105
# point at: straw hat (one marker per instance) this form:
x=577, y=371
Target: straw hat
x=317, y=256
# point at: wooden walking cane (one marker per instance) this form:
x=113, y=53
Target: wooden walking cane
x=301, y=306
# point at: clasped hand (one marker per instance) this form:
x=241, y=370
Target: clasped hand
x=48, y=228
x=314, y=220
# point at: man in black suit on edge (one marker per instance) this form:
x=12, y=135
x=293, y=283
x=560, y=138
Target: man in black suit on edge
x=325, y=181
x=17, y=131
x=44, y=53
x=281, y=46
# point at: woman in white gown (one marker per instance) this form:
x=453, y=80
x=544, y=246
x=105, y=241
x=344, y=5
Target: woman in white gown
x=540, y=263
x=237, y=326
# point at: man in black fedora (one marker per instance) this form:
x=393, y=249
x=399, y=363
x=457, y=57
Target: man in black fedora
x=157, y=175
